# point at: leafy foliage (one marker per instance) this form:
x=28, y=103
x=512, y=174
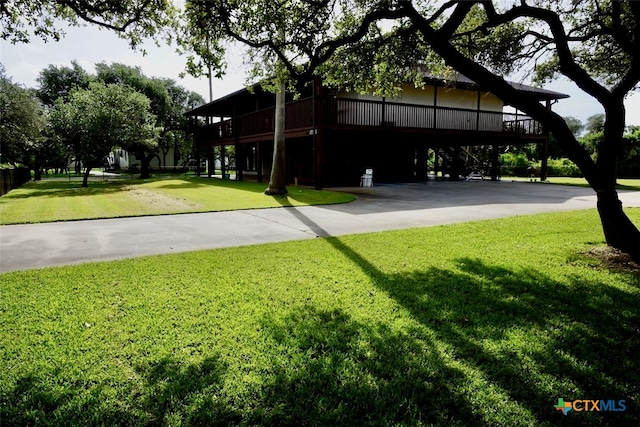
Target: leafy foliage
x=514, y=164
x=595, y=123
x=100, y=118
x=22, y=123
x=575, y=125
x=57, y=82
x=134, y=19
x=603, y=37
x=168, y=102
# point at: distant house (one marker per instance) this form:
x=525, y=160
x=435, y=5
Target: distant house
x=120, y=159
x=332, y=136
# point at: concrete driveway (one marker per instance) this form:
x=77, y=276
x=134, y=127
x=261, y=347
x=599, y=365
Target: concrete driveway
x=383, y=207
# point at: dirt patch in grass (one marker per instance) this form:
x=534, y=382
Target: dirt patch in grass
x=614, y=259
x=160, y=201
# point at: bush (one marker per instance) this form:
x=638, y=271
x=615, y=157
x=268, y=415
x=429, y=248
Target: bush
x=514, y=164
x=561, y=167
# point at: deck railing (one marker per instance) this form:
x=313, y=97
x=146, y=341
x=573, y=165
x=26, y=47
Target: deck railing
x=354, y=112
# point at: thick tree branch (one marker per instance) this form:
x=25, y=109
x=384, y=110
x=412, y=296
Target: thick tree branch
x=509, y=94
x=568, y=65
x=83, y=9
x=321, y=53
x=456, y=18
x=632, y=77
x=618, y=30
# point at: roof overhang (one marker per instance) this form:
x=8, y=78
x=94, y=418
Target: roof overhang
x=249, y=99
x=463, y=82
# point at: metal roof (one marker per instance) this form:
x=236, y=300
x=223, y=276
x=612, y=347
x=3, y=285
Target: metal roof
x=246, y=99
x=467, y=83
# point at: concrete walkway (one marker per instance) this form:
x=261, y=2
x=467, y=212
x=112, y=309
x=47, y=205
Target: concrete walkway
x=383, y=207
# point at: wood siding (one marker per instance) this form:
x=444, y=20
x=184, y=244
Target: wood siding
x=355, y=113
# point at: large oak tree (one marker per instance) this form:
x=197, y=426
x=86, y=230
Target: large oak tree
x=96, y=120
x=168, y=102
x=376, y=44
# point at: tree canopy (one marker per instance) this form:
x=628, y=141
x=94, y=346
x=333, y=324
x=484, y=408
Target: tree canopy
x=95, y=120
x=57, y=82
x=22, y=123
x=26, y=133
x=134, y=19
x=167, y=100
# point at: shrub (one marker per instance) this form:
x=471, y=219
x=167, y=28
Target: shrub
x=514, y=164
x=561, y=167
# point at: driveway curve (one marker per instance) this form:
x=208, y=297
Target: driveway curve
x=379, y=208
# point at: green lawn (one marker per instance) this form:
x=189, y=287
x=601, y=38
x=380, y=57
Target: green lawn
x=623, y=183
x=477, y=324
x=60, y=200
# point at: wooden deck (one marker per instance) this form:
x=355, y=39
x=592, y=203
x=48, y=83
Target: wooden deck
x=305, y=115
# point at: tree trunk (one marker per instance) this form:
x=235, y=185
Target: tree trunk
x=278, y=180
x=619, y=231
x=85, y=178
x=144, y=165
x=37, y=169
x=164, y=158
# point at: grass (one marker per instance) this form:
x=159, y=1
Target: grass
x=623, y=183
x=484, y=323
x=60, y=200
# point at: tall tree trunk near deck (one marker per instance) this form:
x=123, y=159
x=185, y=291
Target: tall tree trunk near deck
x=278, y=180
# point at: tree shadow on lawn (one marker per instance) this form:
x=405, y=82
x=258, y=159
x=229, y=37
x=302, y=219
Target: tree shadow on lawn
x=192, y=183
x=56, y=189
x=299, y=194
x=340, y=371
x=171, y=393
x=484, y=345
x=589, y=333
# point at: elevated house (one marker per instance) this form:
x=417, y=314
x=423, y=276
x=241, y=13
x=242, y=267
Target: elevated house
x=332, y=136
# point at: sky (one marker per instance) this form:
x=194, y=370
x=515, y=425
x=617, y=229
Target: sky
x=90, y=45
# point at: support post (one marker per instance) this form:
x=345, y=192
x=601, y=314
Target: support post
x=495, y=162
x=314, y=128
x=383, y=112
x=421, y=162
x=435, y=107
x=259, y=160
x=223, y=152
x=544, y=162
x=211, y=161
x=454, y=174
x=241, y=158
x=478, y=113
